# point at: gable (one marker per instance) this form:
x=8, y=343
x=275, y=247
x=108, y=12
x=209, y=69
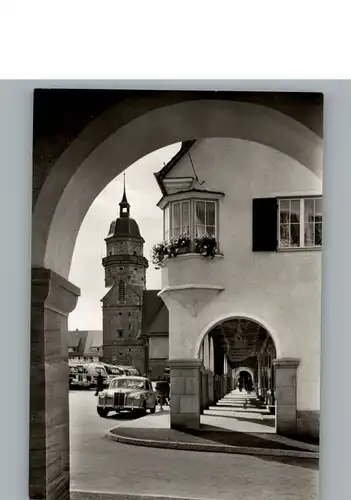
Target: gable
x=132, y=295
x=169, y=169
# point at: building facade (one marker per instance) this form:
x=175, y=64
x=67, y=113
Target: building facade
x=132, y=315
x=84, y=346
x=125, y=275
x=256, y=299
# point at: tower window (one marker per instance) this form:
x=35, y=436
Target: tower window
x=134, y=253
x=121, y=291
x=120, y=314
x=135, y=269
x=120, y=333
x=129, y=314
x=121, y=268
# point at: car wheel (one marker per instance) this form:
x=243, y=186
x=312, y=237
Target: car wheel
x=153, y=409
x=102, y=412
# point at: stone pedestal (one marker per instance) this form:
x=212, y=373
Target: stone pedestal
x=185, y=393
x=286, y=409
x=53, y=298
x=204, y=390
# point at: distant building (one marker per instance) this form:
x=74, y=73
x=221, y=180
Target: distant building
x=85, y=345
x=135, y=320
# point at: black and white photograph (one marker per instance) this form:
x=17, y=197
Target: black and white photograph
x=176, y=294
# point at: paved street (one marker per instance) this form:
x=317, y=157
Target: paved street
x=101, y=465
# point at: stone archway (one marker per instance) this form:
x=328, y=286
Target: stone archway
x=103, y=151
x=245, y=369
x=64, y=189
x=244, y=342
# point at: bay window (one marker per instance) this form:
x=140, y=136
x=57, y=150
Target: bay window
x=205, y=218
x=194, y=218
x=180, y=220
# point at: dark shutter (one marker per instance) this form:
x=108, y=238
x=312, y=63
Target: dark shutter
x=264, y=225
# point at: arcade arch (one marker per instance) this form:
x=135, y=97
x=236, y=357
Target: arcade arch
x=236, y=345
x=68, y=186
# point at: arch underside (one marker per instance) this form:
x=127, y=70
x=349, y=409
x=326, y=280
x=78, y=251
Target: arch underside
x=83, y=171
x=241, y=339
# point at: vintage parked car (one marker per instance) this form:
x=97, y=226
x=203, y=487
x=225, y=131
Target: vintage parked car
x=127, y=393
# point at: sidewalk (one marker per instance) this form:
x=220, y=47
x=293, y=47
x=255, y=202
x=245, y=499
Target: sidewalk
x=219, y=434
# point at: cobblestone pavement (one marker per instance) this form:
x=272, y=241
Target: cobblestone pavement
x=105, y=466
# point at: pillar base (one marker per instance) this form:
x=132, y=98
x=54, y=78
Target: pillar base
x=286, y=407
x=53, y=298
x=204, y=389
x=185, y=393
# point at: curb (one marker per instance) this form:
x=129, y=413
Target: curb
x=106, y=495
x=212, y=448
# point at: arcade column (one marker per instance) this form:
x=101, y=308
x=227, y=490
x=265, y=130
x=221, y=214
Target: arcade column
x=286, y=399
x=53, y=298
x=185, y=393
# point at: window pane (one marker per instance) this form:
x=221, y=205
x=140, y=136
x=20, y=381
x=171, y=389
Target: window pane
x=284, y=235
x=295, y=211
x=309, y=234
x=284, y=209
x=284, y=217
x=295, y=235
x=185, y=214
x=210, y=214
x=166, y=226
x=200, y=231
x=176, y=232
x=318, y=210
x=200, y=213
x=176, y=215
x=318, y=234
x=211, y=230
x=309, y=210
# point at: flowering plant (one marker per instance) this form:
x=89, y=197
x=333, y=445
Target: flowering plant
x=169, y=249
x=206, y=245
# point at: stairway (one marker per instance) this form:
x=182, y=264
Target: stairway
x=241, y=406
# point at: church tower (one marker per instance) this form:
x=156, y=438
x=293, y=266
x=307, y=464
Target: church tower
x=125, y=277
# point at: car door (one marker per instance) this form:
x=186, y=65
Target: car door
x=148, y=387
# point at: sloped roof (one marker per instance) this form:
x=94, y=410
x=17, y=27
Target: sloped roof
x=161, y=322
x=77, y=339
x=186, y=145
x=84, y=340
x=151, y=306
x=94, y=339
x=124, y=228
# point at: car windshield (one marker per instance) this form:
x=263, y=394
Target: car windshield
x=113, y=370
x=128, y=383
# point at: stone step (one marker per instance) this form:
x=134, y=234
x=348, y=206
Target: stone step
x=237, y=403
x=260, y=411
x=234, y=414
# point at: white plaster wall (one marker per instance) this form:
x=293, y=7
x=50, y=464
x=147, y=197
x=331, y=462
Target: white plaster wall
x=281, y=290
x=158, y=347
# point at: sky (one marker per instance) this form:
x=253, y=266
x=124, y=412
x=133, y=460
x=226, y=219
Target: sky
x=87, y=272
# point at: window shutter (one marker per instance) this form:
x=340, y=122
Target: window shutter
x=264, y=225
